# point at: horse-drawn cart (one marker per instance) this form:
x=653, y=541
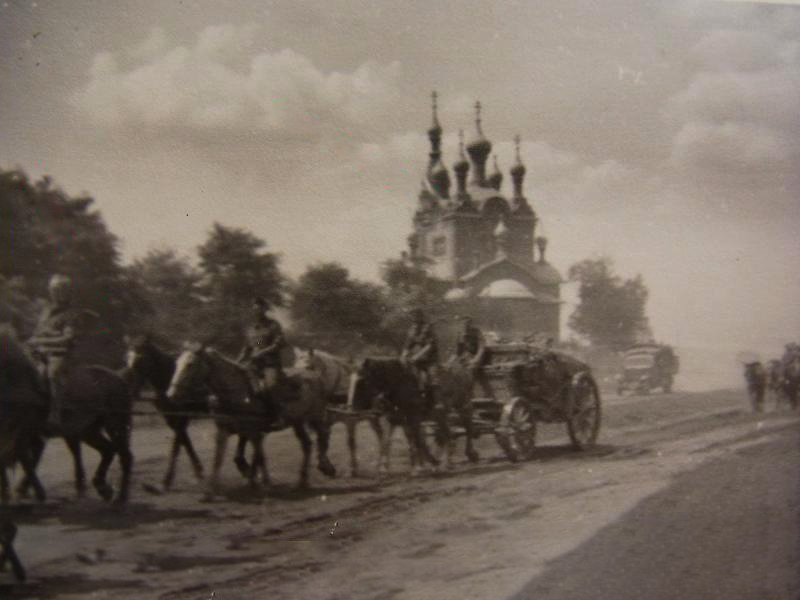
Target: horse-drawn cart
x=530, y=385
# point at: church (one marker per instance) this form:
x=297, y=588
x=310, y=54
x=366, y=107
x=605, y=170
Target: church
x=483, y=242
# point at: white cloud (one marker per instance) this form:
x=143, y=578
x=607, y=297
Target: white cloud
x=737, y=116
x=219, y=85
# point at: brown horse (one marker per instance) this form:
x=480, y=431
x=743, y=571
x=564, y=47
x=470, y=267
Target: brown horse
x=388, y=388
x=236, y=411
x=96, y=411
x=454, y=397
x=755, y=376
x=152, y=366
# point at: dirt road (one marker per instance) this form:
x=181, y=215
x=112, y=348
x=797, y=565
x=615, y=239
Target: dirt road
x=688, y=496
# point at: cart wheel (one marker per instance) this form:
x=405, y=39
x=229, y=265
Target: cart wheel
x=517, y=432
x=583, y=423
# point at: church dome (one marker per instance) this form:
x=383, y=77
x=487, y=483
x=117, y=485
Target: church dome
x=546, y=273
x=439, y=179
x=506, y=288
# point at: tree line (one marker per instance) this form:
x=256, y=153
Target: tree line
x=207, y=297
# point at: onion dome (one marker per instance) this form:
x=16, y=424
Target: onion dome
x=435, y=131
x=439, y=179
x=479, y=148
x=506, y=288
x=495, y=180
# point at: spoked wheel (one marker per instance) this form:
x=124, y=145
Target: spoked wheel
x=583, y=421
x=516, y=434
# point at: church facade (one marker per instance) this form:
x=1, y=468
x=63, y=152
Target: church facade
x=483, y=242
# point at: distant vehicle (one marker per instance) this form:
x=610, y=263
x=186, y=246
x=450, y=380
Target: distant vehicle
x=646, y=367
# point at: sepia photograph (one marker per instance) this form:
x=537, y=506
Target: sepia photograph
x=373, y=300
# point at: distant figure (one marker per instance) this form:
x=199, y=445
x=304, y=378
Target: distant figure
x=756, y=377
x=421, y=352
x=53, y=342
x=261, y=353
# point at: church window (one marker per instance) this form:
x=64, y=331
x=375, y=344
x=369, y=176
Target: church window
x=439, y=246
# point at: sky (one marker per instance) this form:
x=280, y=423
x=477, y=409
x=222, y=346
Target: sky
x=664, y=135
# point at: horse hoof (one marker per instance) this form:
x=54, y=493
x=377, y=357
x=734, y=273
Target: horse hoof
x=473, y=457
x=303, y=485
x=242, y=465
x=327, y=469
x=106, y=491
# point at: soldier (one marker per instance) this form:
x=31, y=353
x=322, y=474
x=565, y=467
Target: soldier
x=421, y=352
x=53, y=341
x=471, y=351
x=262, y=350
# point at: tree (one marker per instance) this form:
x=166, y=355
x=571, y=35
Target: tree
x=335, y=312
x=170, y=286
x=410, y=286
x=44, y=231
x=610, y=312
x=234, y=268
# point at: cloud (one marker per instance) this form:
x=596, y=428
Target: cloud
x=737, y=115
x=219, y=85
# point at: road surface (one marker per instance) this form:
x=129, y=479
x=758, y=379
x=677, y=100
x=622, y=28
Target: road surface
x=687, y=496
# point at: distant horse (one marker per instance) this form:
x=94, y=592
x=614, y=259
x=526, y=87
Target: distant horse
x=151, y=365
x=96, y=411
x=236, y=411
x=755, y=376
x=388, y=387
x=791, y=380
x=775, y=382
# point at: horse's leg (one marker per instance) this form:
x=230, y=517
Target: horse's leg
x=36, y=446
x=220, y=444
x=384, y=432
x=74, y=446
x=175, y=448
x=323, y=430
x=257, y=441
x=5, y=496
x=239, y=458
x=186, y=442
x=350, y=424
x=121, y=439
x=260, y=460
x=95, y=438
x=420, y=443
x=305, y=443
x=465, y=412
x=443, y=436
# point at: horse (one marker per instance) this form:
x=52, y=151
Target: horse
x=237, y=411
x=390, y=388
x=454, y=395
x=154, y=367
x=96, y=411
x=775, y=382
x=791, y=380
x=755, y=376
x=22, y=411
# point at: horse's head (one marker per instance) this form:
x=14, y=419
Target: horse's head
x=136, y=354
x=191, y=372
x=365, y=385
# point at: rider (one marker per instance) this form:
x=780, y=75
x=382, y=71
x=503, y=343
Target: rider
x=472, y=353
x=262, y=351
x=53, y=342
x=422, y=353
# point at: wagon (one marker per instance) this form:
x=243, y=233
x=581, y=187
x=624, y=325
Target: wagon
x=531, y=385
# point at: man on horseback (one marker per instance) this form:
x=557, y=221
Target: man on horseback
x=261, y=353
x=472, y=353
x=421, y=353
x=53, y=341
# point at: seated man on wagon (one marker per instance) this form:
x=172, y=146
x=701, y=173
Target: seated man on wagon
x=471, y=351
x=421, y=352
